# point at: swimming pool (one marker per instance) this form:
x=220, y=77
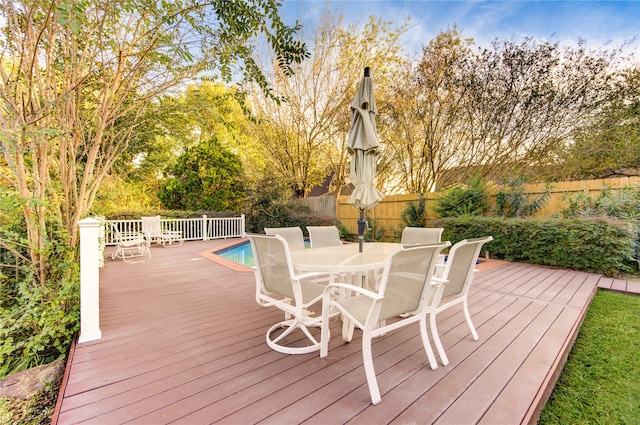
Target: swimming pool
x=242, y=254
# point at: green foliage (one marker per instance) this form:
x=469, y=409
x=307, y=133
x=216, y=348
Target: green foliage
x=206, y=176
x=597, y=245
x=270, y=204
x=343, y=231
x=267, y=204
x=600, y=383
x=415, y=213
x=373, y=231
x=61, y=139
x=610, y=144
x=512, y=201
x=35, y=410
x=117, y=194
x=135, y=214
x=621, y=204
x=37, y=322
x=461, y=201
x=302, y=139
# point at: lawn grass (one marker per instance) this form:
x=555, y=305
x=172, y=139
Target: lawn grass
x=600, y=383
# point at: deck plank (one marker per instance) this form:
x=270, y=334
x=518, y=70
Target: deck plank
x=514, y=401
x=183, y=342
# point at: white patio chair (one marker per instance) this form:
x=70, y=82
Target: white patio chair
x=459, y=272
x=421, y=235
x=130, y=245
x=321, y=236
x=153, y=226
x=293, y=235
x=403, y=288
x=277, y=285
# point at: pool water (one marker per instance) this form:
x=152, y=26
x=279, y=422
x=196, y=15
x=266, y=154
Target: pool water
x=242, y=253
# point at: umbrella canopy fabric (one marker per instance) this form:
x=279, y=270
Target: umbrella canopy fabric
x=362, y=143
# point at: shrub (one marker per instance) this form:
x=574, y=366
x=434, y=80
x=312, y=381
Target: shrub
x=470, y=200
x=599, y=246
x=267, y=205
x=206, y=176
x=512, y=201
x=374, y=231
x=414, y=214
x=622, y=204
x=37, y=323
x=165, y=214
x=270, y=205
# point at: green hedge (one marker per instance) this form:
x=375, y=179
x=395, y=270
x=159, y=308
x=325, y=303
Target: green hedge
x=166, y=214
x=597, y=246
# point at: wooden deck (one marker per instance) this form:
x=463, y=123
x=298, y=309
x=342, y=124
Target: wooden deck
x=183, y=342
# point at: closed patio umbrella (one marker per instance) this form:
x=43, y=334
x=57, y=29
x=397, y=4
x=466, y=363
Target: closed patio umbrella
x=362, y=143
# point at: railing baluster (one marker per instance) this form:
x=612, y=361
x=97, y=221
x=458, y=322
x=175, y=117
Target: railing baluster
x=203, y=228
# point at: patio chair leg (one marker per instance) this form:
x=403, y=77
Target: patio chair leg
x=348, y=327
x=436, y=339
x=367, y=359
x=427, y=345
x=467, y=316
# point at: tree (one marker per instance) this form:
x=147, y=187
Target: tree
x=207, y=176
x=77, y=78
x=427, y=120
x=268, y=204
x=208, y=110
x=610, y=144
x=302, y=133
x=460, y=113
x=195, y=114
x=524, y=101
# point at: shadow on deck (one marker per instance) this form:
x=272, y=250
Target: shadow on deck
x=183, y=342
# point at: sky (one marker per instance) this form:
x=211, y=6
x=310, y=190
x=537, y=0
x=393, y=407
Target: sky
x=602, y=24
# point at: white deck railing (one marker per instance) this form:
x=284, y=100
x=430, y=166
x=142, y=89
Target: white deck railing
x=202, y=228
x=95, y=234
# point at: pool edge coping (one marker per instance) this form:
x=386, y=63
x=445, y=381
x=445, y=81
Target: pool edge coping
x=209, y=255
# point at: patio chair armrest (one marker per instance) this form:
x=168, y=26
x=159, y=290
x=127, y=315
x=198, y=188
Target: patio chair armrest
x=437, y=281
x=363, y=291
x=314, y=274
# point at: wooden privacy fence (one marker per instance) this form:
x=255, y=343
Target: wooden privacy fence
x=387, y=213
x=324, y=205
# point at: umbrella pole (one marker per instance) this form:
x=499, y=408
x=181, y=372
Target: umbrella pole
x=361, y=224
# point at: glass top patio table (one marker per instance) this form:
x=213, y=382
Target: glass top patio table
x=343, y=258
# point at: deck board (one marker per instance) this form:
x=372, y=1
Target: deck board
x=183, y=343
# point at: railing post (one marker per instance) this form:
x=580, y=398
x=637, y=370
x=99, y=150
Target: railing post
x=243, y=233
x=204, y=228
x=89, y=280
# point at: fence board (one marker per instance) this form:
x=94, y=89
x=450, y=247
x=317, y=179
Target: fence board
x=324, y=205
x=387, y=213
